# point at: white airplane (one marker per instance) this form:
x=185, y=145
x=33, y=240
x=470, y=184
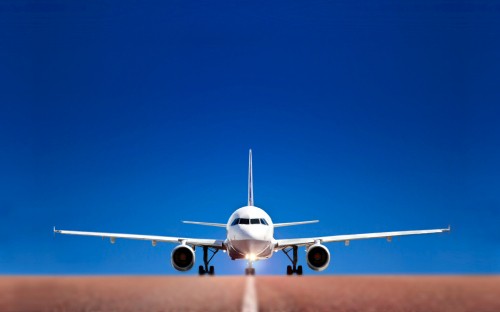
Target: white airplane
x=250, y=237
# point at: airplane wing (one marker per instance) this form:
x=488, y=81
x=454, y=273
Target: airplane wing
x=284, y=243
x=214, y=243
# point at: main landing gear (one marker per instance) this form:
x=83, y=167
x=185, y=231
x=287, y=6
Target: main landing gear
x=205, y=269
x=290, y=269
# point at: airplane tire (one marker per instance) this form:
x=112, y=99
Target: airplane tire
x=252, y=271
x=211, y=271
x=289, y=270
x=201, y=271
x=299, y=270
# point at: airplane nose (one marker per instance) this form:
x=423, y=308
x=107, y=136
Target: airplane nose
x=247, y=233
x=249, y=244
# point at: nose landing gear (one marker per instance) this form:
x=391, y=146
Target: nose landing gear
x=250, y=270
x=290, y=269
x=205, y=269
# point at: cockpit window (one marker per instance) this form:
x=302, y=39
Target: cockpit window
x=249, y=221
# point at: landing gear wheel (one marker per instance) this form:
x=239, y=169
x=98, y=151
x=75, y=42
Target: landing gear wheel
x=205, y=269
x=290, y=269
x=249, y=271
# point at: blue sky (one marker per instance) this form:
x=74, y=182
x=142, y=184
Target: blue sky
x=132, y=117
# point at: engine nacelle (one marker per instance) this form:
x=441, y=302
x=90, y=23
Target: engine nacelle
x=318, y=257
x=182, y=258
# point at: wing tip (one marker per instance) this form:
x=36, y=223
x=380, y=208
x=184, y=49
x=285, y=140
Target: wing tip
x=54, y=231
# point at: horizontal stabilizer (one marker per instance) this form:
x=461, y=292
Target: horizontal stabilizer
x=206, y=223
x=294, y=223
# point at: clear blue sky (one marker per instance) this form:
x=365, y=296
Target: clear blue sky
x=131, y=117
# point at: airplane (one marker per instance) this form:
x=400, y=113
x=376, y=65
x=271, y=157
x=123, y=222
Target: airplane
x=250, y=237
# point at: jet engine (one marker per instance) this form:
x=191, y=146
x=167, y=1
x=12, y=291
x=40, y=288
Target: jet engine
x=183, y=258
x=318, y=257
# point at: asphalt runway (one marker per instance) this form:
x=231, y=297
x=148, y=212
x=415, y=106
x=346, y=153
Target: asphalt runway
x=260, y=293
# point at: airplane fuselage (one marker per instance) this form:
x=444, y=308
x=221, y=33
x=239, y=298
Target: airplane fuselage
x=250, y=234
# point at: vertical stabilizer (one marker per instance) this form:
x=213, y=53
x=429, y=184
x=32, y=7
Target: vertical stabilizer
x=250, y=179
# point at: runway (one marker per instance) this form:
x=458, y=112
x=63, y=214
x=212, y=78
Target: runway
x=260, y=293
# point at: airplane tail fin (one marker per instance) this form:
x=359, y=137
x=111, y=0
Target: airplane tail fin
x=250, y=179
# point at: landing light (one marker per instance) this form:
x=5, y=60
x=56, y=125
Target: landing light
x=250, y=257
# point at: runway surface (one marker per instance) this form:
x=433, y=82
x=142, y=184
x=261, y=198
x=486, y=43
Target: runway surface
x=260, y=293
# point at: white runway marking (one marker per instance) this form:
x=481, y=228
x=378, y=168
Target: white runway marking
x=250, y=303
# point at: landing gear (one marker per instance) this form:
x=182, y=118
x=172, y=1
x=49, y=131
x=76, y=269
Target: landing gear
x=290, y=269
x=205, y=269
x=250, y=270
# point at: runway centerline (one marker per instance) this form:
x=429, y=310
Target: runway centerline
x=250, y=303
